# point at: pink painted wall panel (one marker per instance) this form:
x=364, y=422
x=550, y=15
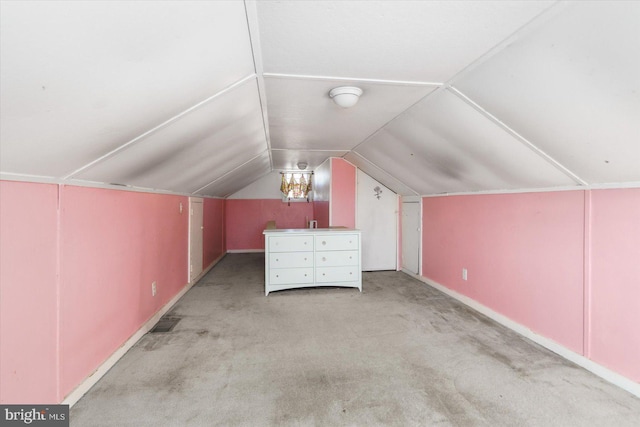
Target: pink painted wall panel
x=322, y=193
x=399, y=246
x=615, y=280
x=28, y=292
x=113, y=245
x=343, y=193
x=246, y=219
x=213, y=234
x=321, y=213
x=523, y=253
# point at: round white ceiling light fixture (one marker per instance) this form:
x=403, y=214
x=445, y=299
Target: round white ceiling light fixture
x=345, y=96
x=302, y=165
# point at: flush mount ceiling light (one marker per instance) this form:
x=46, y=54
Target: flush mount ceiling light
x=302, y=165
x=345, y=96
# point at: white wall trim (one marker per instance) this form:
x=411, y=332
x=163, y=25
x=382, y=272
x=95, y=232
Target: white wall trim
x=4, y=176
x=77, y=393
x=245, y=251
x=609, y=186
x=599, y=370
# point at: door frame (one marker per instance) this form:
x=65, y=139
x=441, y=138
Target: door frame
x=414, y=200
x=190, y=252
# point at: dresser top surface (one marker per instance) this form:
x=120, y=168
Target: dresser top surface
x=281, y=231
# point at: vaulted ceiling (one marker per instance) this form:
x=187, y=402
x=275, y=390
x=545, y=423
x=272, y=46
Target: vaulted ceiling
x=205, y=97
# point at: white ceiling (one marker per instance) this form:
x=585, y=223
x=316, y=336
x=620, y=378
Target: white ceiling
x=206, y=97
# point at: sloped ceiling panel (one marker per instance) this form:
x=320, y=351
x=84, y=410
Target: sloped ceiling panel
x=303, y=116
x=79, y=79
x=288, y=159
x=572, y=88
x=379, y=175
x=396, y=40
x=443, y=145
x=239, y=177
x=194, y=150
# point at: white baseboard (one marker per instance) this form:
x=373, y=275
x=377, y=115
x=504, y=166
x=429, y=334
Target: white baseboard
x=245, y=251
x=604, y=373
x=77, y=393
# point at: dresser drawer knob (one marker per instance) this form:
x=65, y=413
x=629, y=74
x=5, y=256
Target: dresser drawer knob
x=324, y=243
x=350, y=257
x=323, y=274
x=324, y=258
x=350, y=273
x=277, y=275
x=277, y=259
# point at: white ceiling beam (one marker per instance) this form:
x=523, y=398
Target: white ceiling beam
x=352, y=79
x=396, y=117
x=231, y=171
x=519, y=137
x=160, y=126
x=525, y=29
x=251, y=12
x=384, y=172
x=312, y=150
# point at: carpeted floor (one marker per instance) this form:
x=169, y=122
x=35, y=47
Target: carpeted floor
x=400, y=354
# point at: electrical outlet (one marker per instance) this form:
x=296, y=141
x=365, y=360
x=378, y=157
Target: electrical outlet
x=464, y=274
x=153, y=289
x=180, y=207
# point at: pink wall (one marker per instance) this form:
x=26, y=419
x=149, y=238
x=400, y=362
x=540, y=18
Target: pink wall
x=95, y=258
x=343, y=193
x=213, y=234
x=113, y=245
x=399, y=244
x=535, y=259
x=614, y=324
x=322, y=193
x=28, y=292
x=523, y=253
x=246, y=220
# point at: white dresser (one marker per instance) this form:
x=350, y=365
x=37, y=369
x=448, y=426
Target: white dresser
x=298, y=258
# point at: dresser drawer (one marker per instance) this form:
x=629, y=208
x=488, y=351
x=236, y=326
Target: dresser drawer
x=290, y=243
x=291, y=259
x=341, y=242
x=336, y=258
x=337, y=274
x=291, y=275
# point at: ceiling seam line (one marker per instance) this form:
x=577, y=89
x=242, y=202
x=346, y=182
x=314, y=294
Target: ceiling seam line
x=226, y=196
x=227, y=173
x=384, y=171
x=311, y=150
x=437, y=90
x=352, y=79
x=256, y=55
x=541, y=153
x=539, y=19
x=158, y=127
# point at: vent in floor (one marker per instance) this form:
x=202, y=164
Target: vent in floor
x=165, y=324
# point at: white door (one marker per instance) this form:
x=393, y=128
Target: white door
x=377, y=218
x=411, y=236
x=195, y=238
